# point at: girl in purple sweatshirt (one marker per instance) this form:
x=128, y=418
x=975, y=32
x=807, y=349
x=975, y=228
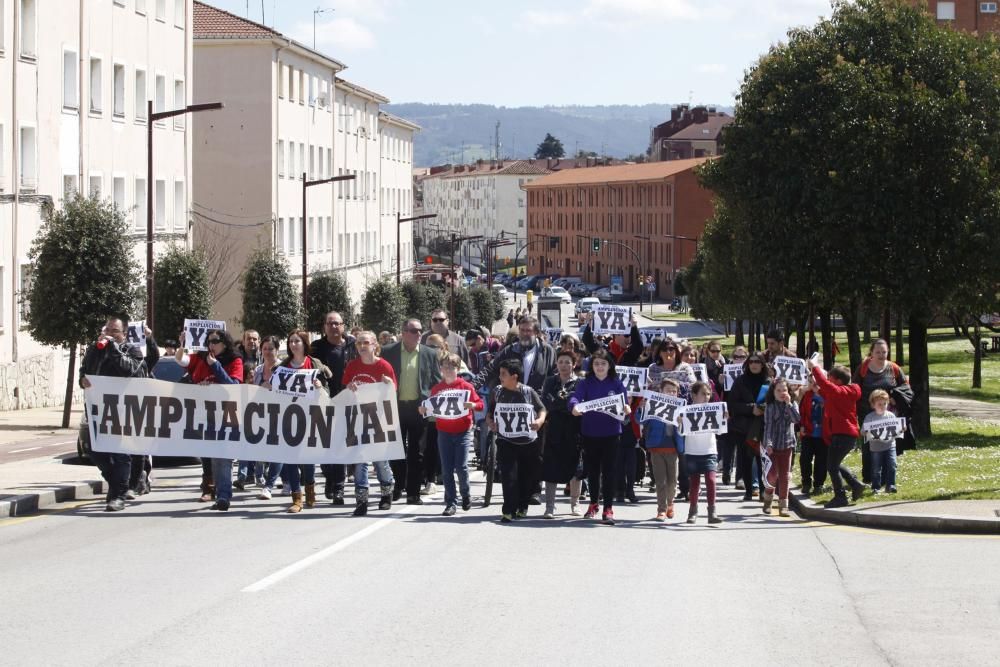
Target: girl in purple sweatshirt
x=600, y=430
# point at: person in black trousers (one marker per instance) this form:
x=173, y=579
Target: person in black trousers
x=335, y=349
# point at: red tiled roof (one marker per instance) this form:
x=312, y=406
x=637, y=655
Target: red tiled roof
x=707, y=131
x=650, y=171
x=213, y=23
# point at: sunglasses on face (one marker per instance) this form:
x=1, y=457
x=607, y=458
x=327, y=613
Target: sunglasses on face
x=336, y=324
x=439, y=319
x=213, y=341
x=740, y=356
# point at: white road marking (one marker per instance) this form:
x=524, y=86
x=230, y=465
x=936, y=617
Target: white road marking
x=340, y=545
x=26, y=449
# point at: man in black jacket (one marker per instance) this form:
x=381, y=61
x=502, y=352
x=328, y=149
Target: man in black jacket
x=111, y=355
x=335, y=349
x=538, y=358
x=417, y=371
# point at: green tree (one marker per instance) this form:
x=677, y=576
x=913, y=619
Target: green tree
x=83, y=271
x=422, y=298
x=465, y=311
x=271, y=305
x=328, y=291
x=550, y=147
x=383, y=306
x=483, y=306
x=499, y=307
x=180, y=289
x=862, y=162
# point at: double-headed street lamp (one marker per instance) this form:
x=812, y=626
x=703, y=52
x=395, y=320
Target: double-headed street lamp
x=152, y=118
x=305, y=230
x=399, y=223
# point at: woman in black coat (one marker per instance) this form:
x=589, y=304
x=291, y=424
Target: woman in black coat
x=561, y=453
x=743, y=411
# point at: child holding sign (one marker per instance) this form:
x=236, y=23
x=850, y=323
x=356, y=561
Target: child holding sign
x=454, y=434
x=664, y=442
x=516, y=413
x=781, y=416
x=883, y=451
x=701, y=458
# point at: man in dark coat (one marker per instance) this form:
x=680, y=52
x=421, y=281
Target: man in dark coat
x=335, y=349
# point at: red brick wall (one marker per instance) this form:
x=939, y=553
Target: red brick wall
x=967, y=16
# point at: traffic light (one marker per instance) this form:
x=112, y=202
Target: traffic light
x=597, y=245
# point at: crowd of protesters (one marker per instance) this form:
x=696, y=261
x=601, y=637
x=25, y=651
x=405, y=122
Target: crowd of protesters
x=596, y=459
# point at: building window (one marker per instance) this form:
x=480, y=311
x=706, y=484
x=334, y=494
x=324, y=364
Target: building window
x=3, y=184
x=160, y=94
x=291, y=84
x=119, y=84
x=1, y=299
x=302, y=86
x=28, y=159
x=96, y=186
x=179, y=17
x=180, y=206
x=70, y=79
x=3, y=26
x=281, y=80
x=95, y=86
x=946, y=11
x=302, y=158
x=312, y=162
x=26, y=275
x=29, y=9
x=988, y=7
x=281, y=158
x=70, y=186
x=140, y=96
x=312, y=90
x=180, y=101
x=160, y=193
x=140, y=6
x=118, y=193
x=140, y=204
x=161, y=10
x=280, y=234
x=329, y=233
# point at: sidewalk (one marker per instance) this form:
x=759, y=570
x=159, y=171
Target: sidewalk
x=935, y=516
x=22, y=426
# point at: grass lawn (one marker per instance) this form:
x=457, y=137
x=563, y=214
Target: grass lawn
x=675, y=317
x=961, y=461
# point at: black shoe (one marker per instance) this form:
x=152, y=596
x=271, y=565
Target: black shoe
x=221, y=505
x=240, y=484
x=681, y=496
x=361, y=509
x=837, y=501
x=338, y=498
x=748, y=496
x=620, y=500
x=806, y=489
x=414, y=500
x=385, y=502
x=115, y=505
x=535, y=499
x=449, y=511
x=857, y=492
x=466, y=503
x=726, y=480
x=397, y=494
x=632, y=500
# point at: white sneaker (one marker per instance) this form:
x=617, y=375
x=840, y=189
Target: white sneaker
x=428, y=490
x=549, y=514
x=130, y=495
x=265, y=494
x=574, y=509
x=739, y=485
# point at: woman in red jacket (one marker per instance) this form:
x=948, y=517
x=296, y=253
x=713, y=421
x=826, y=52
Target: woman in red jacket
x=840, y=420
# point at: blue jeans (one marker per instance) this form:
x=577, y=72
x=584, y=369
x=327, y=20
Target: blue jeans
x=382, y=470
x=884, y=468
x=453, y=449
x=273, y=470
x=299, y=475
x=222, y=474
x=246, y=470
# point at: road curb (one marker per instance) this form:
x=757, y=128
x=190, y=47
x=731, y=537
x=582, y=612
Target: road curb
x=851, y=516
x=30, y=503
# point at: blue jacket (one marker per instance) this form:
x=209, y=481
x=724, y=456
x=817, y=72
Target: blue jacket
x=656, y=436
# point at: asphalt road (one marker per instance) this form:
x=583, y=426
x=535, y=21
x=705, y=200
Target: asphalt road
x=168, y=581
x=35, y=447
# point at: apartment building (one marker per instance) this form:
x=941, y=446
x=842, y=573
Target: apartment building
x=289, y=113
x=76, y=78
x=658, y=210
x=969, y=15
x=690, y=133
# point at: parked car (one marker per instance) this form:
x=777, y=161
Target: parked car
x=583, y=289
x=586, y=304
x=567, y=282
x=501, y=290
x=606, y=294
x=559, y=292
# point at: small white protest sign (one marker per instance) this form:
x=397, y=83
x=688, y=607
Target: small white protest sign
x=681, y=377
x=514, y=420
x=729, y=373
x=447, y=404
x=791, y=369
x=196, y=331
x=612, y=320
x=634, y=378
x=136, y=335
x=661, y=407
x=703, y=418
x=885, y=428
x=612, y=406
x=649, y=335
x=554, y=335
x=293, y=381
x=700, y=372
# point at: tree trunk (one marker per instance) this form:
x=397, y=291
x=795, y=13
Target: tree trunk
x=885, y=327
x=867, y=339
x=751, y=335
x=919, y=375
x=954, y=325
x=739, y=333
x=977, y=357
x=70, y=377
x=827, y=338
x=800, y=336
x=853, y=336
x=900, y=357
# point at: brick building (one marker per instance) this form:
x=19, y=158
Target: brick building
x=969, y=15
x=690, y=133
x=644, y=206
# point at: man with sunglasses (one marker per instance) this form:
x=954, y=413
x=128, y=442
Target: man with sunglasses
x=336, y=349
x=417, y=371
x=456, y=343
x=111, y=355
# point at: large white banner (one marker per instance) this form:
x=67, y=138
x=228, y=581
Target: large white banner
x=196, y=331
x=612, y=320
x=703, y=418
x=242, y=421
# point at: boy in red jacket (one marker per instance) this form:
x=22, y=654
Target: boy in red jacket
x=454, y=434
x=840, y=420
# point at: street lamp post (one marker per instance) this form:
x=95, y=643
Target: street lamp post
x=305, y=230
x=647, y=239
x=399, y=223
x=456, y=239
x=150, y=119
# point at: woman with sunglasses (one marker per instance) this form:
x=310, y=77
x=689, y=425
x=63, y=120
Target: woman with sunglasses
x=262, y=375
x=667, y=363
x=728, y=445
x=219, y=364
x=745, y=407
x=300, y=476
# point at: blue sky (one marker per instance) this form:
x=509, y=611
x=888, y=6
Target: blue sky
x=520, y=53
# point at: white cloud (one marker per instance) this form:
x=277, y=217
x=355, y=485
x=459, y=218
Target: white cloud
x=712, y=68
x=336, y=35
x=543, y=19
x=644, y=10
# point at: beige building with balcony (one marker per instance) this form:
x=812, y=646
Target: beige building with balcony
x=289, y=113
x=76, y=77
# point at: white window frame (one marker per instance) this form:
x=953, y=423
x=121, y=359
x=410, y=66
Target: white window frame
x=180, y=205
x=140, y=7
x=180, y=16
x=160, y=203
x=3, y=30
x=118, y=113
x=3, y=162
x=159, y=95
x=24, y=284
x=118, y=178
x=180, y=103
x=281, y=80
x=100, y=184
x=140, y=106
x=281, y=158
x=139, y=208
x=29, y=30
x=96, y=93
x=27, y=182
x=161, y=11
x=946, y=11
x=987, y=8
x=70, y=79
